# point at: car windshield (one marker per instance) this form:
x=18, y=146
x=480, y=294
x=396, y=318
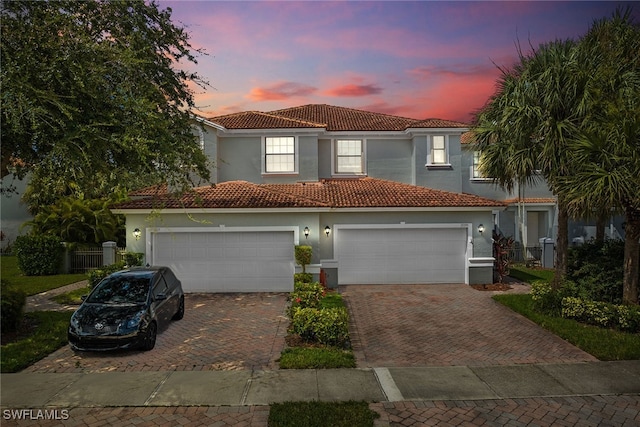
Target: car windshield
x=122, y=289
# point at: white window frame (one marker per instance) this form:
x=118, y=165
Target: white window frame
x=334, y=157
x=265, y=139
x=430, y=153
x=474, y=172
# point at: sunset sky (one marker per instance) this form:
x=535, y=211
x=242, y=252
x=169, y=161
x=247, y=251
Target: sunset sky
x=419, y=59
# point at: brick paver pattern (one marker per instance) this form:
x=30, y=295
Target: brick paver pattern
x=218, y=332
x=618, y=411
x=445, y=325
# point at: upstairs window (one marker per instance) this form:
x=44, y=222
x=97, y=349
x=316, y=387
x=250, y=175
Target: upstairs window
x=280, y=154
x=476, y=174
x=349, y=157
x=438, y=154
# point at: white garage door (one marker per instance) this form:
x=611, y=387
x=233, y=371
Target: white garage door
x=401, y=255
x=256, y=261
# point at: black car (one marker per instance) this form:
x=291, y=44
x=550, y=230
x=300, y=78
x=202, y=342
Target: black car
x=127, y=309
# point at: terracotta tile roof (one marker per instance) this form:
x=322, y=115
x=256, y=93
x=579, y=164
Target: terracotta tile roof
x=330, y=117
x=546, y=200
x=467, y=138
x=260, y=120
x=330, y=193
x=154, y=190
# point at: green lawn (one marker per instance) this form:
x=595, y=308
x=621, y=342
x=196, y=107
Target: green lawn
x=50, y=334
x=321, y=414
x=604, y=344
x=530, y=275
x=33, y=285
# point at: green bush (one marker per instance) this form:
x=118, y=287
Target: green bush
x=302, y=277
x=306, y=295
x=597, y=269
x=133, y=259
x=328, y=326
x=12, y=302
x=39, y=255
x=303, y=256
x=95, y=276
x=605, y=315
x=549, y=301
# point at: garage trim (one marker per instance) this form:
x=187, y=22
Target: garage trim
x=467, y=226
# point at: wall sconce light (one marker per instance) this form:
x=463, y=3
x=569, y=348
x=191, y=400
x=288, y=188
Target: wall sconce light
x=306, y=232
x=327, y=230
x=137, y=233
x=481, y=229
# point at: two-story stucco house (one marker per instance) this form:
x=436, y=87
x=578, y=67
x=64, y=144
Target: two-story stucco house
x=381, y=199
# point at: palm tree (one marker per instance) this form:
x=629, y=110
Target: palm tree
x=606, y=148
x=522, y=132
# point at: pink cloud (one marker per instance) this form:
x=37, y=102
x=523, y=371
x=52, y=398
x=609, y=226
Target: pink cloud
x=281, y=91
x=349, y=90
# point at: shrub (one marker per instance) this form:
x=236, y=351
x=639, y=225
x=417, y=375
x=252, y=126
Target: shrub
x=328, y=326
x=306, y=295
x=39, y=255
x=11, y=306
x=596, y=267
x=303, y=256
x=602, y=314
x=302, y=277
x=547, y=300
x=133, y=259
x=95, y=276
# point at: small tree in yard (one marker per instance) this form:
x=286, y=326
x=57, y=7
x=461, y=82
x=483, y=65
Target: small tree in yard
x=303, y=256
x=501, y=247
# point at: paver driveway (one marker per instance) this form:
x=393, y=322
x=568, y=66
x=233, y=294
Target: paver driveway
x=218, y=332
x=445, y=325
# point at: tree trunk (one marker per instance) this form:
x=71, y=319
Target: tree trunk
x=601, y=223
x=631, y=257
x=562, y=244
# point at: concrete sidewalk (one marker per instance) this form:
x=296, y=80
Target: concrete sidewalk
x=249, y=388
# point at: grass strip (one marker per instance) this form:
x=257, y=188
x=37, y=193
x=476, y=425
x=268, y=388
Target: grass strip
x=604, y=344
x=33, y=285
x=321, y=414
x=316, y=358
x=530, y=275
x=50, y=334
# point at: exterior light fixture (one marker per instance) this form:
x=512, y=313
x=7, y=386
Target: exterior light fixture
x=137, y=233
x=481, y=229
x=327, y=230
x=306, y=232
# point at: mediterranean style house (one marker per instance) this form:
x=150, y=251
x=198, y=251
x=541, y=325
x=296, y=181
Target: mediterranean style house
x=381, y=199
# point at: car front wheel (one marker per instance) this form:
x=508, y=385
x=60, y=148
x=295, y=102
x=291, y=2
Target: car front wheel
x=149, y=339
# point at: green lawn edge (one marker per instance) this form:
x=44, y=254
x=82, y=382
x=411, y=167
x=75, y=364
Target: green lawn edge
x=603, y=344
x=33, y=285
x=49, y=335
x=321, y=414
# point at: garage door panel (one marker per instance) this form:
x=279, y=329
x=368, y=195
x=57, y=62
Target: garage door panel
x=412, y=255
x=228, y=261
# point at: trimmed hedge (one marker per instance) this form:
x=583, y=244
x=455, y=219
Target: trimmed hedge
x=328, y=326
x=12, y=302
x=306, y=295
x=303, y=256
x=622, y=317
x=95, y=276
x=39, y=255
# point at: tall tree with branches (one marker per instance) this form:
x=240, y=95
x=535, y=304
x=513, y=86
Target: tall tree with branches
x=94, y=99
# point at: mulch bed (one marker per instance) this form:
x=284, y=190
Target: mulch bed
x=492, y=287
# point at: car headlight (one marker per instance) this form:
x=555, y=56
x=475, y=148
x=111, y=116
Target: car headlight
x=133, y=322
x=74, y=324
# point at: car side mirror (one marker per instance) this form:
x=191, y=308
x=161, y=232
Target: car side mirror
x=83, y=297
